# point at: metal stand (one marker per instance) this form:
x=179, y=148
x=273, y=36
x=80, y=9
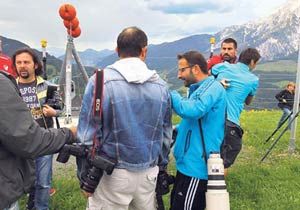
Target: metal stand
x=278, y=128
x=281, y=134
x=65, y=78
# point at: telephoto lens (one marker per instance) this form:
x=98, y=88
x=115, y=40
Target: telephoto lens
x=217, y=197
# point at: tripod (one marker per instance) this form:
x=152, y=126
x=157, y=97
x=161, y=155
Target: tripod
x=281, y=134
x=278, y=127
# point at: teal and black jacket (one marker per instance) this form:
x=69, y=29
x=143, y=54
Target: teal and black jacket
x=207, y=102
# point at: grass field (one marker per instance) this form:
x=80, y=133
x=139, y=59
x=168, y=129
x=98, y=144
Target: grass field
x=271, y=185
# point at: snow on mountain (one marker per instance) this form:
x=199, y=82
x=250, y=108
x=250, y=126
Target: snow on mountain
x=276, y=36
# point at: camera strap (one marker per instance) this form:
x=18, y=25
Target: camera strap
x=203, y=89
x=200, y=125
x=97, y=104
x=204, y=156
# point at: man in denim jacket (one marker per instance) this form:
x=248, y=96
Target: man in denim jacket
x=135, y=130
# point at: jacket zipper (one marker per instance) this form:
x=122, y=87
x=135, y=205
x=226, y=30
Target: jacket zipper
x=187, y=141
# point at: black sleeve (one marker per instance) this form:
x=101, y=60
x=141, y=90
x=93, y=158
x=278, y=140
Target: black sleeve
x=279, y=96
x=19, y=133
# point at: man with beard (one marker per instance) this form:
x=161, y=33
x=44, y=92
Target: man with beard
x=200, y=132
x=34, y=93
x=228, y=53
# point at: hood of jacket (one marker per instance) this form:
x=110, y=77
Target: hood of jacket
x=134, y=70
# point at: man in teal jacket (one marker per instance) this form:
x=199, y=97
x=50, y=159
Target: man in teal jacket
x=202, y=112
x=241, y=87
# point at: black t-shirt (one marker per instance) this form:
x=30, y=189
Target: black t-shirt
x=29, y=95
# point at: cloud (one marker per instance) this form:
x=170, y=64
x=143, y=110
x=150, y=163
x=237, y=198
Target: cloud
x=30, y=21
x=189, y=6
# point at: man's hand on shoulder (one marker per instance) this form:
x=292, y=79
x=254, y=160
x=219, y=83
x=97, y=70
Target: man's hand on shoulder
x=225, y=83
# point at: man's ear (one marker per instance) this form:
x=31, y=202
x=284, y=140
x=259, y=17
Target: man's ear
x=252, y=64
x=143, y=53
x=117, y=51
x=35, y=66
x=196, y=69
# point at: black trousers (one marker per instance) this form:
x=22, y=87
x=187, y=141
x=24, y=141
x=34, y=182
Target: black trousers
x=188, y=193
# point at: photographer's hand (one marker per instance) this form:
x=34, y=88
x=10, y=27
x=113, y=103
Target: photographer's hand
x=73, y=130
x=48, y=111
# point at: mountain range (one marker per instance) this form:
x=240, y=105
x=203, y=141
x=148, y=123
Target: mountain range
x=91, y=57
x=275, y=36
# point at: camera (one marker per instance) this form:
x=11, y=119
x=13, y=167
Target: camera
x=97, y=166
x=75, y=150
x=103, y=163
x=164, y=180
x=217, y=197
x=53, y=98
x=91, y=179
x=94, y=167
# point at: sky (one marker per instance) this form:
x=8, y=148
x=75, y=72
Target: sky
x=101, y=21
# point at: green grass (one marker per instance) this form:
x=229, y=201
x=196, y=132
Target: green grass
x=271, y=185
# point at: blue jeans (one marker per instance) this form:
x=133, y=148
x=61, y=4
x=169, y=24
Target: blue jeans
x=285, y=113
x=14, y=206
x=43, y=182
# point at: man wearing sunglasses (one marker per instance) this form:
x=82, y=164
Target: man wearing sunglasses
x=200, y=132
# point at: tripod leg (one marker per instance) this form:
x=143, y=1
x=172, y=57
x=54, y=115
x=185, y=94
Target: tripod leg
x=278, y=127
x=281, y=134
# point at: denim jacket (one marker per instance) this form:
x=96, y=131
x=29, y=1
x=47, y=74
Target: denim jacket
x=136, y=124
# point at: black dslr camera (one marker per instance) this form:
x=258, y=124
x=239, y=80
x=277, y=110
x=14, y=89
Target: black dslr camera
x=164, y=180
x=53, y=98
x=75, y=150
x=94, y=166
x=98, y=165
